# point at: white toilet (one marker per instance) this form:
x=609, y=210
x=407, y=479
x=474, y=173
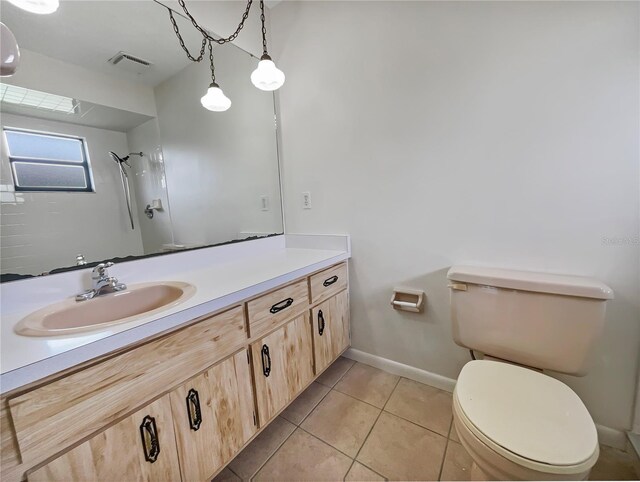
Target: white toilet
x=516, y=422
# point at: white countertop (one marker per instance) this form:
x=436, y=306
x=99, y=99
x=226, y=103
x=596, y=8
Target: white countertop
x=223, y=276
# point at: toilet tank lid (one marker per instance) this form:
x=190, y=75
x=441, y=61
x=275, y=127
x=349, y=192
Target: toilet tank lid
x=532, y=281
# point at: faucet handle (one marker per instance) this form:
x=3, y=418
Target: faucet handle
x=100, y=271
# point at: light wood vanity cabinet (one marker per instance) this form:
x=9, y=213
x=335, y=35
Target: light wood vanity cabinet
x=182, y=405
x=282, y=366
x=140, y=447
x=213, y=417
x=65, y=411
x=330, y=329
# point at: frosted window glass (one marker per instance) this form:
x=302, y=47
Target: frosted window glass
x=36, y=175
x=48, y=162
x=42, y=146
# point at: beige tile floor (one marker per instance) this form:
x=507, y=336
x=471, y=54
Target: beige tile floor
x=358, y=423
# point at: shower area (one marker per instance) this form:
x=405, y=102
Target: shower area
x=144, y=188
x=122, y=163
x=123, y=209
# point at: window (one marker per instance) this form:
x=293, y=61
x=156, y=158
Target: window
x=48, y=162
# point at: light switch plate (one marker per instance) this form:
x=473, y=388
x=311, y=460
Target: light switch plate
x=264, y=203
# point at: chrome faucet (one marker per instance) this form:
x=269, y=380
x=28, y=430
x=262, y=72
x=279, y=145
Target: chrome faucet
x=102, y=283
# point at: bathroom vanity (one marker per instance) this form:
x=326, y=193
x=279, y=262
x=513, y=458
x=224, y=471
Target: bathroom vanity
x=180, y=404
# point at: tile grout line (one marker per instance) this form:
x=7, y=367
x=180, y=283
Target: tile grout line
x=446, y=448
x=340, y=377
x=394, y=414
x=356, y=398
x=274, y=452
x=316, y=406
x=418, y=425
x=294, y=430
x=326, y=443
x=324, y=396
x=411, y=421
x=313, y=408
x=231, y=470
x=371, y=430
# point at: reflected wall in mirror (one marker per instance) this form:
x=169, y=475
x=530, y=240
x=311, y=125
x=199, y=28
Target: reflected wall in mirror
x=194, y=177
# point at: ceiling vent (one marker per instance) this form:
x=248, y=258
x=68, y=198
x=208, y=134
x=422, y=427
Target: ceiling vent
x=130, y=62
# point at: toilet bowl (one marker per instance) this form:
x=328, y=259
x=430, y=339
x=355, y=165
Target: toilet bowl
x=519, y=424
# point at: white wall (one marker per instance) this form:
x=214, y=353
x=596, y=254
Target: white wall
x=46, y=230
x=438, y=133
x=54, y=76
x=150, y=181
x=218, y=165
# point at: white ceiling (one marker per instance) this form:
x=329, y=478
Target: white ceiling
x=88, y=33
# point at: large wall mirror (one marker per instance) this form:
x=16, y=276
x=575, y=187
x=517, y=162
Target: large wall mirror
x=83, y=100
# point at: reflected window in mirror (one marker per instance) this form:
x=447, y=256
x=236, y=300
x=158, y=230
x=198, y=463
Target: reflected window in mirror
x=48, y=162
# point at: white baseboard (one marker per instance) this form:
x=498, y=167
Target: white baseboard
x=412, y=373
x=612, y=437
x=606, y=435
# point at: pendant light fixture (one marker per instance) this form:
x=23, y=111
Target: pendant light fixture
x=37, y=6
x=267, y=76
x=214, y=99
x=9, y=52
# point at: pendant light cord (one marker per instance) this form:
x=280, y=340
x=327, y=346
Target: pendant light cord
x=207, y=39
x=205, y=35
x=264, y=31
x=213, y=69
x=182, y=44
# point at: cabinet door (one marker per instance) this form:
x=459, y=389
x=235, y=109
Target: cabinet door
x=213, y=415
x=283, y=366
x=140, y=447
x=330, y=329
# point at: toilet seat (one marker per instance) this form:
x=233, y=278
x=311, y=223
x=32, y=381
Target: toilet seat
x=527, y=417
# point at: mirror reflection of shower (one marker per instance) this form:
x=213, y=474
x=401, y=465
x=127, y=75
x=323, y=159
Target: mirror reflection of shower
x=124, y=177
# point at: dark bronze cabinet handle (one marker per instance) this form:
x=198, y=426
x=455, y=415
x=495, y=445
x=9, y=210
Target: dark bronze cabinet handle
x=193, y=409
x=281, y=305
x=330, y=281
x=266, y=361
x=150, y=442
x=320, y=322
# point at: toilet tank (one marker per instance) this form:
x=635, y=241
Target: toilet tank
x=541, y=320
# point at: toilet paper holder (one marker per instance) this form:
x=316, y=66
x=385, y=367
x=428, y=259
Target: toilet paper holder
x=406, y=299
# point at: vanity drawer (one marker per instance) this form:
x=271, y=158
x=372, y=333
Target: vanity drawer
x=328, y=282
x=275, y=307
x=51, y=418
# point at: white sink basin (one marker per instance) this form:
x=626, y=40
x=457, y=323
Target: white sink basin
x=70, y=316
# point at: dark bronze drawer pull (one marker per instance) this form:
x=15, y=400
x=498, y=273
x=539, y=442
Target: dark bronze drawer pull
x=193, y=409
x=266, y=361
x=281, y=305
x=330, y=281
x=150, y=442
x=320, y=322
